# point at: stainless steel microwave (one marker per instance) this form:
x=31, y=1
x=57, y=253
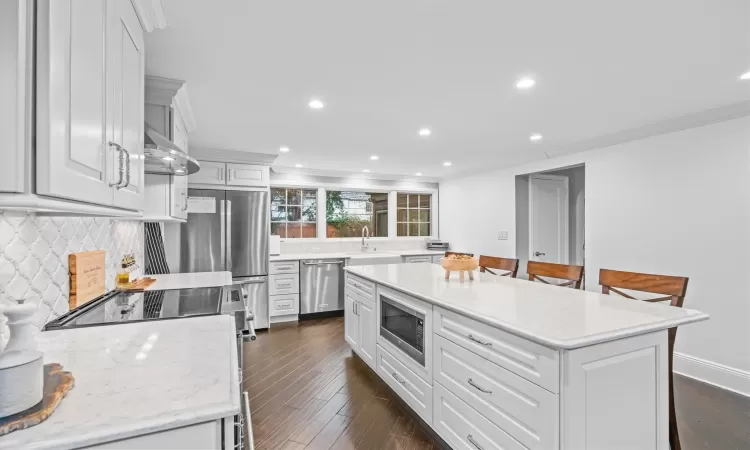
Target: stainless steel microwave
x=403, y=327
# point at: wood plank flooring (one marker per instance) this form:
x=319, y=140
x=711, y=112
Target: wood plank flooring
x=308, y=391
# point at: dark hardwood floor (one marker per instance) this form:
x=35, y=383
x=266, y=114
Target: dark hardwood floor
x=308, y=391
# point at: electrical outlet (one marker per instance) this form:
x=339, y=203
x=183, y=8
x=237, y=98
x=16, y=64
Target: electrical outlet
x=502, y=235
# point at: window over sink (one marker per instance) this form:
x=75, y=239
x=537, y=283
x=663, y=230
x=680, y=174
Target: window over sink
x=294, y=212
x=348, y=211
x=413, y=214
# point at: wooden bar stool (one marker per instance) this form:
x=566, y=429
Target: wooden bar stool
x=674, y=288
x=573, y=274
x=509, y=265
x=458, y=253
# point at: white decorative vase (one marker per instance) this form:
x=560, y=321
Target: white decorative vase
x=21, y=365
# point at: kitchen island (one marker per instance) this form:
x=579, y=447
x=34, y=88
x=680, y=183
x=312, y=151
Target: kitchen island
x=160, y=384
x=505, y=363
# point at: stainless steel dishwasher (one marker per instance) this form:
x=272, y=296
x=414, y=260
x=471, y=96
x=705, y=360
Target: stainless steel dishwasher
x=321, y=287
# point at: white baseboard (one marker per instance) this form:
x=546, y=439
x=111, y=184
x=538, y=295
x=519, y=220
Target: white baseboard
x=719, y=375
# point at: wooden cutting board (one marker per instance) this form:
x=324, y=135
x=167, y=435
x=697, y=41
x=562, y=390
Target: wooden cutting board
x=87, y=274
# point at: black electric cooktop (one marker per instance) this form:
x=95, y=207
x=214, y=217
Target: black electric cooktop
x=125, y=307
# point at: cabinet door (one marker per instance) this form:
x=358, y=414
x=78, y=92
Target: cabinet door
x=247, y=175
x=351, y=322
x=210, y=173
x=125, y=53
x=71, y=136
x=179, y=197
x=367, y=333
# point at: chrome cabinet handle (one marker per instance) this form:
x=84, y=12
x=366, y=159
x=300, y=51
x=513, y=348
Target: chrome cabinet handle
x=477, y=387
x=221, y=174
x=229, y=235
x=184, y=206
x=539, y=254
x=322, y=263
x=479, y=341
x=121, y=168
x=398, y=378
x=229, y=175
x=356, y=308
x=127, y=168
x=473, y=442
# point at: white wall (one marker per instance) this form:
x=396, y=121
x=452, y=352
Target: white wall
x=677, y=203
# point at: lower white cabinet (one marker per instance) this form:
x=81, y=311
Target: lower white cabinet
x=412, y=389
x=282, y=284
x=360, y=326
x=202, y=436
x=283, y=289
x=463, y=428
x=284, y=305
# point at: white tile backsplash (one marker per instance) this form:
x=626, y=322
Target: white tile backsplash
x=347, y=245
x=34, y=257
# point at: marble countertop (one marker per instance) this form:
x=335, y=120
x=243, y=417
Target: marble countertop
x=345, y=255
x=137, y=378
x=190, y=280
x=553, y=316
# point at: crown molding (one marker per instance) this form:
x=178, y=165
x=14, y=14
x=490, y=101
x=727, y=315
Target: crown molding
x=151, y=14
x=231, y=156
x=170, y=92
x=345, y=174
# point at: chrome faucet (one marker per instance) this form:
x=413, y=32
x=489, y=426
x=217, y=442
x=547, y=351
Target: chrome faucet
x=365, y=233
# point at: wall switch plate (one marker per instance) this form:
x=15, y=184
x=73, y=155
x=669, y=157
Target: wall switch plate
x=502, y=235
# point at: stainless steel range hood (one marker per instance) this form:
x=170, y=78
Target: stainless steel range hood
x=163, y=157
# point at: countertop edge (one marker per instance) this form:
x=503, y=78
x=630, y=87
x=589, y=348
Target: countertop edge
x=105, y=435
x=345, y=255
x=570, y=344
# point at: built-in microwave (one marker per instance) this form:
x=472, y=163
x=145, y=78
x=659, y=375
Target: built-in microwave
x=403, y=327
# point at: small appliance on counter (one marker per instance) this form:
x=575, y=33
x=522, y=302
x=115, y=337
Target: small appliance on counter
x=436, y=244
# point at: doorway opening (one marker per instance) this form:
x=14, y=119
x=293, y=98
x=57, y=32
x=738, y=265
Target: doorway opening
x=550, y=217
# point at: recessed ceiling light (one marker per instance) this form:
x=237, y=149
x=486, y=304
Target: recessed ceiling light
x=525, y=83
x=283, y=149
x=366, y=171
x=316, y=103
x=374, y=157
x=447, y=163
x=425, y=132
x=419, y=174
x=535, y=137
x=745, y=76
x=168, y=158
x=298, y=165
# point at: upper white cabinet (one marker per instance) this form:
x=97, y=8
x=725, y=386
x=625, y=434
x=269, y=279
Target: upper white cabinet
x=71, y=105
x=168, y=112
x=231, y=174
x=210, y=173
x=74, y=158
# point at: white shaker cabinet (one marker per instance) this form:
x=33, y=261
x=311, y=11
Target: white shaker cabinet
x=210, y=173
x=247, y=175
x=89, y=121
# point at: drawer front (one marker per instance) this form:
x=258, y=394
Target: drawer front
x=283, y=305
x=284, y=284
x=418, y=259
x=278, y=267
x=536, y=363
x=519, y=407
x=408, y=385
x=463, y=428
x=361, y=286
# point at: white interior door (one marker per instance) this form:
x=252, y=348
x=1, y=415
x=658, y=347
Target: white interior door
x=548, y=218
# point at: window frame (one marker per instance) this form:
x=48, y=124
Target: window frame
x=418, y=208
x=392, y=192
x=301, y=206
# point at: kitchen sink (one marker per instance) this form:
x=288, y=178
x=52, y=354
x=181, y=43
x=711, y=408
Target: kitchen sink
x=367, y=258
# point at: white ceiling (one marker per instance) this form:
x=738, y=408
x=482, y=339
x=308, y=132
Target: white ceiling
x=386, y=68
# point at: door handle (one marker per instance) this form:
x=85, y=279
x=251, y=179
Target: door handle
x=229, y=175
x=479, y=341
x=473, y=442
x=127, y=168
x=322, y=263
x=229, y=235
x=121, y=165
x=221, y=174
x=222, y=232
x=477, y=387
x=539, y=254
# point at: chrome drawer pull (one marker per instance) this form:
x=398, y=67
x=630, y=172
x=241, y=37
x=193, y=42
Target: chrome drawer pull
x=398, y=378
x=479, y=341
x=477, y=387
x=473, y=442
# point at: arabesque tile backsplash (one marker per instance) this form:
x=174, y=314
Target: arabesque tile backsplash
x=34, y=257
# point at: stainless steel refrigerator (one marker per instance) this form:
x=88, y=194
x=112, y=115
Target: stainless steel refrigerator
x=228, y=231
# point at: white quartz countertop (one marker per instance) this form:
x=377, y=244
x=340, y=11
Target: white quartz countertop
x=137, y=378
x=554, y=316
x=190, y=280
x=354, y=255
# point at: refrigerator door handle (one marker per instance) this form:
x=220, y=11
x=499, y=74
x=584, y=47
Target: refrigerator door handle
x=229, y=235
x=222, y=232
